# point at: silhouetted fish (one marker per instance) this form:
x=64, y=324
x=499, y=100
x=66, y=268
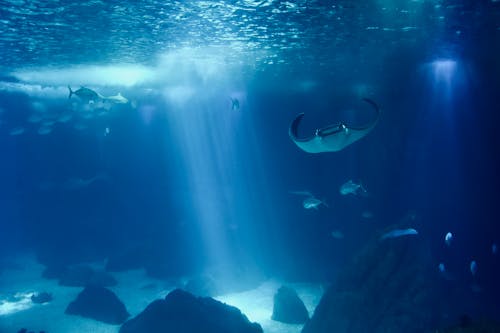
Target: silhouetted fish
x=399, y=233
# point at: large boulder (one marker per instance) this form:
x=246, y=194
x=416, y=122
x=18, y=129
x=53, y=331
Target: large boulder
x=288, y=307
x=41, y=298
x=388, y=287
x=182, y=312
x=481, y=326
x=100, y=304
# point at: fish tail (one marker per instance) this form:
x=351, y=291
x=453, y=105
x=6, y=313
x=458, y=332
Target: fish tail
x=70, y=92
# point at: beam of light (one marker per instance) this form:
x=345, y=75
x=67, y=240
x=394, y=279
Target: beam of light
x=205, y=133
x=444, y=71
x=446, y=77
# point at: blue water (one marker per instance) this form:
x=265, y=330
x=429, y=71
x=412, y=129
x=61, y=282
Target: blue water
x=191, y=184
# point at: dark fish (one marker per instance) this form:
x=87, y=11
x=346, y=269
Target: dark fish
x=85, y=94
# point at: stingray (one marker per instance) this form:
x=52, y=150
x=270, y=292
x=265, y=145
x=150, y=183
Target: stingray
x=331, y=138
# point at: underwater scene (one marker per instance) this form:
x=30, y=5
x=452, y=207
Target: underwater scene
x=246, y=166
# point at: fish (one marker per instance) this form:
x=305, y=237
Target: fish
x=331, y=138
x=398, y=233
x=473, y=267
x=351, y=187
x=235, y=103
x=86, y=94
x=448, y=238
x=494, y=248
x=117, y=99
x=312, y=203
x=442, y=268
x=337, y=234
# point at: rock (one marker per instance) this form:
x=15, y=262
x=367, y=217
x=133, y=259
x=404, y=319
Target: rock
x=182, y=312
x=482, y=326
x=388, y=287
x=288, y=307
x=40, y=298
x=100, y=304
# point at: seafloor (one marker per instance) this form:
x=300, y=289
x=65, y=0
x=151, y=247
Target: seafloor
x=24, y=278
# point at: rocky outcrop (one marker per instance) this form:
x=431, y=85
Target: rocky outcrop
x=387, y=288
x=288, y=307
x=482, y=326
x=100, y=304
x=41, y=298
x=182, y=312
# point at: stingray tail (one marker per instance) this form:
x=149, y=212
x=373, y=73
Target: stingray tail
x=71, y=92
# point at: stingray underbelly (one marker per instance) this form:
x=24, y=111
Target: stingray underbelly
x=321, y=144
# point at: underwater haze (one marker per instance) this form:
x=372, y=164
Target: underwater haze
x=149, y=146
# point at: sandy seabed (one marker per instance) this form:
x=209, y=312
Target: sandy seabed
x=134, y=288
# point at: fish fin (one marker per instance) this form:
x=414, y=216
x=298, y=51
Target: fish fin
x=70, y=92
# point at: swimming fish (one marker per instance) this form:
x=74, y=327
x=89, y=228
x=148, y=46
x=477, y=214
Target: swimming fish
x=351, y=187
x=86, y=94
x=448, y=238
x=494, y=248
x=117, y=99
x=235, y=104
x=442, y=268
x=331, y=138
x=398, y=233
x=312, y=203
x=473, y=267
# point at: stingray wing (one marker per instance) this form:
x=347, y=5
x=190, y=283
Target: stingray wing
x=331, y=138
